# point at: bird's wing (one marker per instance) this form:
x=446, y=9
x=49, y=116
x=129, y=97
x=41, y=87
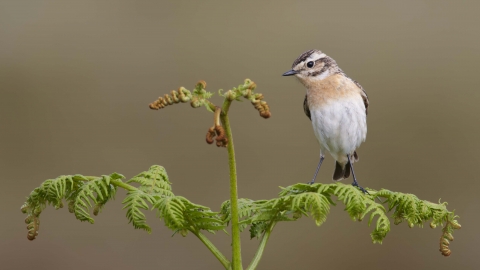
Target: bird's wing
x=306, y=109
x=364, y=96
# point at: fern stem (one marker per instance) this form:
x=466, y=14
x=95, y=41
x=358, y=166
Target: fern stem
x=113, y=182
x=122, y=185
x=261, y=247
x=236, y=247
x=223, y=260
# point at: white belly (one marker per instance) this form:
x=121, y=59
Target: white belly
x=340, y=126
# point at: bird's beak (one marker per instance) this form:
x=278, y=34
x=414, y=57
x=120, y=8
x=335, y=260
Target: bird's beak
x=289, y=73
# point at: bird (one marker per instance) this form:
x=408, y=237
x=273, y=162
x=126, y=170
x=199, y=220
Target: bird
x=337, y=107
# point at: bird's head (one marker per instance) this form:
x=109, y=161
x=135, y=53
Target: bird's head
x=312, y=66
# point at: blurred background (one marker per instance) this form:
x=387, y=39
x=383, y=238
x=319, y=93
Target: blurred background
x=76, y=78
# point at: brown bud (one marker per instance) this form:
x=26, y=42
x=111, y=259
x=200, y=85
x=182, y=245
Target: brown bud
x=265, y=115
x=220, y=132
x=28, y=219
x=230, y=95
x=210, y=135
x=153, y=106
x=259, y=96
x=446, y=253
x=247, y=94
x=31, y=236
x=174, y=96
x=201, y=84
x=37, y=211
x=195, y=103
x=456, y=225
x=183, y=94
x=168, y=99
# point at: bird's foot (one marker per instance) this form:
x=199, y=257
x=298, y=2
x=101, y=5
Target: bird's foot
x=311, y=182
x=355, y=184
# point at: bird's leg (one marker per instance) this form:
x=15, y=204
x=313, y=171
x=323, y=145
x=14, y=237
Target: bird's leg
x=355, y=183
x=322, y=157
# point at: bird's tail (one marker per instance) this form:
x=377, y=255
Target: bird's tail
x=343, y=171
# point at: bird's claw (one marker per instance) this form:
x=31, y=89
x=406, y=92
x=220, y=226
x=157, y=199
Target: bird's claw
x=355, y=184
x=311, y=182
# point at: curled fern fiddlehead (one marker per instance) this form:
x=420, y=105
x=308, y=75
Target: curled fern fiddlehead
x=76, y=189
x=181, y=95
x=450, y=225
x=198, y=98
x=246, y=90
x=216, y=131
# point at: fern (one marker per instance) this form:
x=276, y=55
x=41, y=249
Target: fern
x=314, y=201
x=153, y=190
x=246, y=208
x=100, y=187
x=154, y=184
x=179, y=214
x=154, y=181
x=312, y=204
x=135, y=201
x=76, y=189
x=413, y=210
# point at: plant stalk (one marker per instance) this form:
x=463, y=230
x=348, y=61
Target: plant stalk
x=236, y=247
x=113, y=182
x=261, y=247
x=223, y=260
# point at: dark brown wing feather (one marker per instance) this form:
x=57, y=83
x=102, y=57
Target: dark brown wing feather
x=364, y=96
x=306, y=109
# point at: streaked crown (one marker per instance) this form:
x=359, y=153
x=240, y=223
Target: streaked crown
x=313, y=65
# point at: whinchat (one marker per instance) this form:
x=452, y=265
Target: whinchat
x=337, y=107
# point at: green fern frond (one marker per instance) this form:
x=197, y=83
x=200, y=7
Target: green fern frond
x=295, y=201
x=73, y=188
x=315, y=200
x=257, y=229
x=171, y=209
x=135, y=201
x=355, y=201
x=383, y=223
x=51, y=191
x=89, y=191
x=413, y=210
x=154, y=181
x=33, y=207
x=154, y=184
x=315, y=204
x=204, y=219
x=179, y=214
x=246, y=208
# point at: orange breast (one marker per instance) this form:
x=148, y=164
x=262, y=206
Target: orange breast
x=331, y=89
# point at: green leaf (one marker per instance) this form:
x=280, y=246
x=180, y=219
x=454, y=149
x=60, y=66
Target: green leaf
x=135, y=201
x=154, y=181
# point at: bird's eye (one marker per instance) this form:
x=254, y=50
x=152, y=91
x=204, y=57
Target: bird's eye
x=310, y=64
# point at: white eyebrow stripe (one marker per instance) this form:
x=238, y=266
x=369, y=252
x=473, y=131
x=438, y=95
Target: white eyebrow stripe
x=316, y=56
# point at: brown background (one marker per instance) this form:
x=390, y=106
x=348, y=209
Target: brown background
x=76, y=78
